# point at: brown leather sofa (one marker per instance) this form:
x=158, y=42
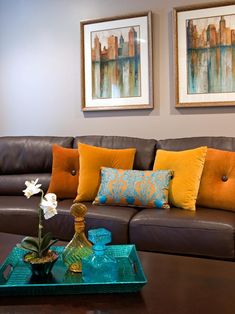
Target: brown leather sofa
x=206, y=232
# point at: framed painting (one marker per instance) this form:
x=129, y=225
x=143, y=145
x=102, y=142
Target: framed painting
x=204, y=46
x=116, y=56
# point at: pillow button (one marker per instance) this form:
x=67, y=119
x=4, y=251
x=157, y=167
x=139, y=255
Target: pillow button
x=224, y=178
x=73, y=172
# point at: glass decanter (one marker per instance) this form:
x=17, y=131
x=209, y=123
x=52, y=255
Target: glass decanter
x=79, y=247
x=99, y=267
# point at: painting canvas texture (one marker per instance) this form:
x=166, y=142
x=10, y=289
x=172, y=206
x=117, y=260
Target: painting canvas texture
x=211, y=54
x=116, y=63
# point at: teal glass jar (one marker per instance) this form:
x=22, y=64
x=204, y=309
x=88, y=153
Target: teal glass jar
x=99, y=267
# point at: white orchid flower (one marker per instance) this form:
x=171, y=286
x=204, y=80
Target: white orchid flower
x=48, y=205
x=32, y=188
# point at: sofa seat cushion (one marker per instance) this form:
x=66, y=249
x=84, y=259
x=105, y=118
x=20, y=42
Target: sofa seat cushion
x=206, y=232
x=19, y=215
x=114, y=218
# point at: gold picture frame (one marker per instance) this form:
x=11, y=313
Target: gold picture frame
x=116, y=67
x=204, y=53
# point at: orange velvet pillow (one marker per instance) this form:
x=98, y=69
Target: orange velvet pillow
x=217, y=187
x=65, y=172
x=92, y=158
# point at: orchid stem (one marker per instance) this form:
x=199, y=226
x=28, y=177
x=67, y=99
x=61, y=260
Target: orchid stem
x=40, y=227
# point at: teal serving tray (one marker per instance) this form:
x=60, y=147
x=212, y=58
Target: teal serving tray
x=16, y=277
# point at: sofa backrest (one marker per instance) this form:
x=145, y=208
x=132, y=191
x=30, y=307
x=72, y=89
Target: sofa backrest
x=29, y=157
x=145, y=148
x=219, y=142
x=26, y=158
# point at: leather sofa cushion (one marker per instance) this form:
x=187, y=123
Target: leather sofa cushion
x=217, y=187
x=145, y=148
x=19, y=215
x=219, y=142
x=14, y=184
x=114, y=218
x=28, y=154
x=205, y=232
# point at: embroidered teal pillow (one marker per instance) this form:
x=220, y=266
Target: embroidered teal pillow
x=134, y=188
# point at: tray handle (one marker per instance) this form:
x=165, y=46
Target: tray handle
x=134, y=265
x=5, y=272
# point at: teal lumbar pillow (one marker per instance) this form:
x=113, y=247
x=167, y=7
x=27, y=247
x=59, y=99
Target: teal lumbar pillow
x=134, y=188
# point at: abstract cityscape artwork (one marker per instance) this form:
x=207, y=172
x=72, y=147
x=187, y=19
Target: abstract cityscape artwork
x=205, y=56
x=116, y=63
x=211, y=46
x=116, y=57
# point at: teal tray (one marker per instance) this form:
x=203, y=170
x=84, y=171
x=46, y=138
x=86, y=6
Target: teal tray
x=16, y=277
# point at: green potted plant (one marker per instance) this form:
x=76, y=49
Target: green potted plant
x=39, y=256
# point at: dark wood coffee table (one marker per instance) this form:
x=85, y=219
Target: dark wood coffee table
x=176, y=284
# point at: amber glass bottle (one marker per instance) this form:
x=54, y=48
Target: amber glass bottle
x=79, y=247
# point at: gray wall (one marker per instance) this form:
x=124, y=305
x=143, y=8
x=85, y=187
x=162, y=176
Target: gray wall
x=40, y=74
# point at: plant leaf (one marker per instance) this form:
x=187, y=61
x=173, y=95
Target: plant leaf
x=20, y=246
x=48, y=246
x=46, y=240
x=27, y=247
x=32, y=241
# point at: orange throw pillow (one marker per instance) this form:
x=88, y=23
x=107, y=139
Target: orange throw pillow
x=65, y=172
x=187, y=166
x=217, y=187
x=92, y=158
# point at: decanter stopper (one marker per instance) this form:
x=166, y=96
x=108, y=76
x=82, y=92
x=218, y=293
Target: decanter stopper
x=79, y=247
x=99, y=267
x=99, y=237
